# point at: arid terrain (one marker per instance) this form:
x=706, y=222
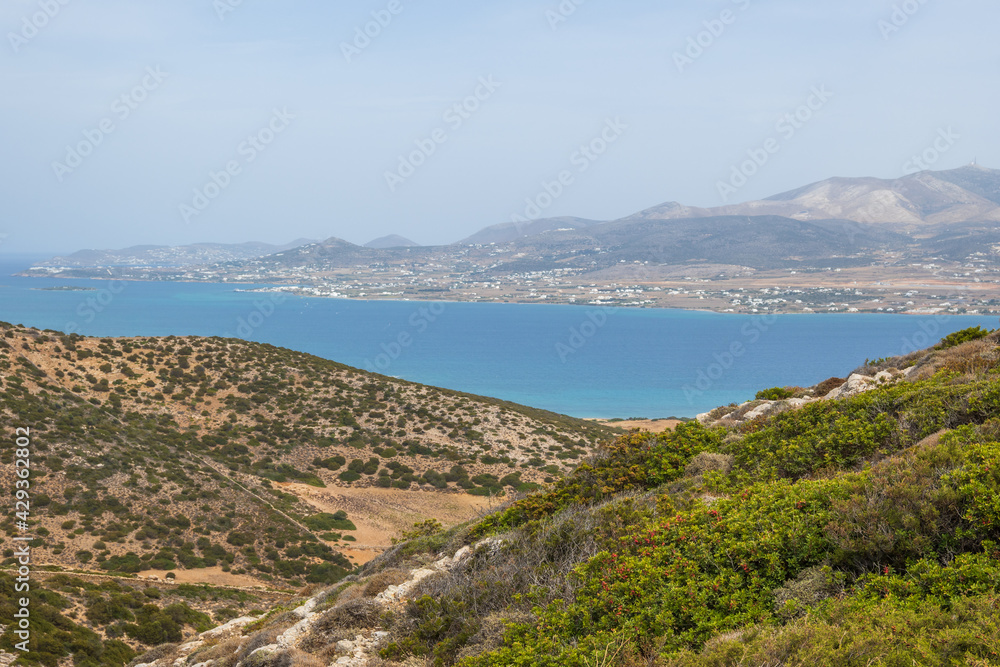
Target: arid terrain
x=245, y=439
x=382, y=515
x=651, y=425
x=784, y=529
x=223, y=469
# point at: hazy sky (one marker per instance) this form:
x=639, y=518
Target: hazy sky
x=115, y=112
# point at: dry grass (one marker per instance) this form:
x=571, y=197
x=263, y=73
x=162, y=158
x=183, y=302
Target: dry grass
x=826, y=386
x=740, y=412
x=812, y=586
x=258, y=640
x=353, y=615
x=381, y=581
x=382, y=514
x=651, y=425
x=342, y=622
x=351, y=594
x=972, y=358
x=223, y=653
x=160, y=652
x=732, y=636
x=722, y=411
x=301, y=659
x=708, y=462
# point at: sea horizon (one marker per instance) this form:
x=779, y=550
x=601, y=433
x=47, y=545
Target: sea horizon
x=585, y=361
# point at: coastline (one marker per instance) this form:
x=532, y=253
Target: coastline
x=560, y=367
x=926, y=307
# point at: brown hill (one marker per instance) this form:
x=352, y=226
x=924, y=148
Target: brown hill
x=176, y=454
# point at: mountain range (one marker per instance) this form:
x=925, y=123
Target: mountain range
x=930, y=233
x=840, y=222
x=970, y=193
x=171, y=256
x=935, y=209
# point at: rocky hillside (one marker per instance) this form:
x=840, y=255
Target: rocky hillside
x=923, y=199
x=242, y=465
x=507, y=232
x=859, y=525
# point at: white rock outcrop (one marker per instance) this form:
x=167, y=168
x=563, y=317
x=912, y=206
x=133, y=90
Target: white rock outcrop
x=356, y=651
x=859, y=384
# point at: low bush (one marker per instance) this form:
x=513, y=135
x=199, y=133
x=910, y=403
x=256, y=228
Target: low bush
x=774, y=394
x=850, y=632
x=325, y=521
x=963, y=336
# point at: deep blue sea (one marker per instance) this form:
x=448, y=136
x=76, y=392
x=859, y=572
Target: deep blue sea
x=586, y=362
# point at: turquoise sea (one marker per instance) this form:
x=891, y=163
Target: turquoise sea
x=582, y=361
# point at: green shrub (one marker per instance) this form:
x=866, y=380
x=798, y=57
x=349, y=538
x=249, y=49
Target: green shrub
x=332, y=463
x=963, y=336
x=128, y=563
x=774, y=394
x=826, y=434
x=638, y=460
x=841, y=632
x=349, y=476
x=325, y=522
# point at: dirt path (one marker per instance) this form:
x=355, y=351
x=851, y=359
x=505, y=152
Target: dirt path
x=267, y=503
x=213, y=576
x=237, y=583
x=381, y=514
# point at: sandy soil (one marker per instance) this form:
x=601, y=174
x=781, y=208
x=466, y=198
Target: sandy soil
x=652, y=425
x=207, y=575
x=381, y=514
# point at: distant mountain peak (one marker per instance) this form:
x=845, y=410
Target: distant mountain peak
x=391, y=241
x=968, y=193
x=337, y=242
x=507, y=232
